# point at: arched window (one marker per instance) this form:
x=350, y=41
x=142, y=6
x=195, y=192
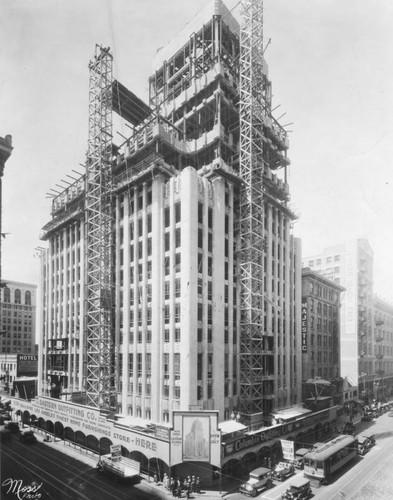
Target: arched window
x=18, y=296
x=28, y=298
x=7, y=294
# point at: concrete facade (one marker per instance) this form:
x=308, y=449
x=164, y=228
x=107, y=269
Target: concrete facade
x=176, y=307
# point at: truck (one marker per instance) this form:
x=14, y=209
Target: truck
x=121, y=467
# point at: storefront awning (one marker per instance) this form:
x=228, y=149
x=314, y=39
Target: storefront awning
x=291, y=413
x=230, y=426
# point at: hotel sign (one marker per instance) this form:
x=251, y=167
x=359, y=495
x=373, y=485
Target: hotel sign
x=304, y=325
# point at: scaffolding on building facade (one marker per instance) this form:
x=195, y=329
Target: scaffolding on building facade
x=254, y=106
x=98, y=222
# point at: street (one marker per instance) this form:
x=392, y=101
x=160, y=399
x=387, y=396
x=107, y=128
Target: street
x=43, y=472
x=366, y=478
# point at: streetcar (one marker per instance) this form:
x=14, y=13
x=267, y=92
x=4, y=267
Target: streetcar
x=327, y=458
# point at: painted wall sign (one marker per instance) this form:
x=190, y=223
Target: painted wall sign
x=90, y=421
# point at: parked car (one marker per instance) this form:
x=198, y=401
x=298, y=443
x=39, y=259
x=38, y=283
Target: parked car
x=28, y=437
x=367, y=441
x=283, y=470
x=349, y=428
x=363, y=444
x=299, y=458
x=5, y=436
x=299, y=489
x=260, y=479
x=13, y=427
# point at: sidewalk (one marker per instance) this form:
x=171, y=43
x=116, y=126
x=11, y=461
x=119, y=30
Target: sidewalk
x=90, y=458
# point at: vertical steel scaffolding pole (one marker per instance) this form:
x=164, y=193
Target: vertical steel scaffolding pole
x=251, y=207
x=99, y=369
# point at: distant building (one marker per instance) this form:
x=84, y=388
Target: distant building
x=18, y=318
x=380, y=383
x=321, y=302
x=351, y=265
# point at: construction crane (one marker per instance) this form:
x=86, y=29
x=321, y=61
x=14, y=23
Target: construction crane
x=98, y=227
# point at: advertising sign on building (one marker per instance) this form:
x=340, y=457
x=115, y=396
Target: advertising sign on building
x=196, y=438
x=89, y=421
x=288, y=450
x=26, y=365
x=304, y=325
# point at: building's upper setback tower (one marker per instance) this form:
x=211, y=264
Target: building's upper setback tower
x=351, y=265
x=205, y=273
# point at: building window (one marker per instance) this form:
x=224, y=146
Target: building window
x=178, y=287
x=7, y=294
x=28, y=298
x=18, y=296
x=176, y=365
x=177, y=312
x=210, y=365
x=178, y=237
x=199, y=367
x=177, y=212
x=167, y=216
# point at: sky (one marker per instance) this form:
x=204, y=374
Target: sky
x=331, y=67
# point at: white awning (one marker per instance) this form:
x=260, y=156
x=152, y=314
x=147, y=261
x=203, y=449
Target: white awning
x=295, y=411
x=231, y=426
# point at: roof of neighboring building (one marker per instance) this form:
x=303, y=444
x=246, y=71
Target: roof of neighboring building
x=307, y=272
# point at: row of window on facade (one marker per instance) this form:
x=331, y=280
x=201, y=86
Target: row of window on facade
x=328, y=260
x=17, y=296
x=323, y=291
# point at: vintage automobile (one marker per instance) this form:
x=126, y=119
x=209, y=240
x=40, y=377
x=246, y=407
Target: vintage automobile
x=364, y=443
x=28, y=437
x=299, y=489
x=283, y=470
x=298, y=461
x=13, y=427
x=259, y=480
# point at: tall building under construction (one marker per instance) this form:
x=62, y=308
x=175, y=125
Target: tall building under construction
x=172, y=281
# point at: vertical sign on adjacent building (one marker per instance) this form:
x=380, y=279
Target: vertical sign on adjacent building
x=304, y=325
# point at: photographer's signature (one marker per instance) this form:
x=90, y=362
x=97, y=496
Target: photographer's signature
x=21, y=491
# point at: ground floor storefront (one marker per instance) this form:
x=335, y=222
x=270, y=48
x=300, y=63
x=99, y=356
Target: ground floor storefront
x=194, y=446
